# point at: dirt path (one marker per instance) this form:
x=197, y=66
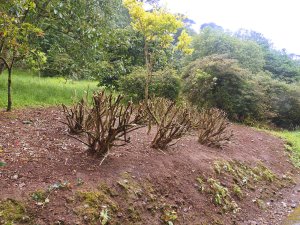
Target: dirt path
x=146, y=185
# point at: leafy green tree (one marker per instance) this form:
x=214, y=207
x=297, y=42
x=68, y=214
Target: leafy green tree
x=279, y=63
x=15, y=36
x=79, y=35
x=218, y=81
x=215, y=41
x=282, y=66
x=157, y=28
x=250, y=35
x=283, y=100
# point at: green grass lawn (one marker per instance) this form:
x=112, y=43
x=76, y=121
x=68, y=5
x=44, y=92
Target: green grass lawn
x=28, y=90
x=293, y=144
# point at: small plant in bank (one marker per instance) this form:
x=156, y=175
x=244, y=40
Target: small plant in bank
x=234, y=179
x=237, y=191
x=212, y=127
x=39, y=197
x=220, y=195
x=95, y=206
x=169, y=216
x=104, y=216
x=13, y=212
x=171, y=121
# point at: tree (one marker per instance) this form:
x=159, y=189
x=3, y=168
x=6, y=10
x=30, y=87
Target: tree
x=16, y=35
x=212, y=26
x=157, y=28
x=279, y=63
x=220, y=82
x=282, y=66
x=212, y=40
x=77, y=34
x=251, y=35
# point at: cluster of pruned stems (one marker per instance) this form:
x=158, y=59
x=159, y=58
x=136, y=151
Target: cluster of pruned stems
x=172, y=121
x=108, y=121
x=104, y=124
x=212, y=126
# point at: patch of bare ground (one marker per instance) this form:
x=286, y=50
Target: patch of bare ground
x=59, y=183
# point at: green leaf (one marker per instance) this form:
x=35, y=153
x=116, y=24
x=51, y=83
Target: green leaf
x=2, y=164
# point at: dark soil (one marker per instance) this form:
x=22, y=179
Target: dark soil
x=145, y=184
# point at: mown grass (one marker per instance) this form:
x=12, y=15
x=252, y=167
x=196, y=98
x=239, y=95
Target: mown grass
x=293, y=144
x=29, y=90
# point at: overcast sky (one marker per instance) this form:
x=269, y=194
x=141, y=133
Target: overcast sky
x=277, y=20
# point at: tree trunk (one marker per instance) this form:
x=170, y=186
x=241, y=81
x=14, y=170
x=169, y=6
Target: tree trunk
x=149, y=70
x=2, y=67
x=9, y=100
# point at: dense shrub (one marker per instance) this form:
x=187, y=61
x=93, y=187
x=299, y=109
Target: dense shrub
x=218, y=81
x=164, y=83
x=287, y=108
x=283, y=100
x=210, y=41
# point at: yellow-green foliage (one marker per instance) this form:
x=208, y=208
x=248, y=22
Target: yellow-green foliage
x=184, y=41
x=157, y=25
x=264, y=173
x=12, y=211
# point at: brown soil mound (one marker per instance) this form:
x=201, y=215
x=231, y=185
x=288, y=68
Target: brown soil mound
x=51, y=174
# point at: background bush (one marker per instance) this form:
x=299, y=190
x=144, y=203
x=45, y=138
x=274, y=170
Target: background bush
x=165, y=83
x=218, y=81
x=284, y=102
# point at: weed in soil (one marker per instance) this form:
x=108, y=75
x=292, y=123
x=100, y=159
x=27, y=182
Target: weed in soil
x=93, y=204
x=132, y=188
x=12, y=211
x=134, y=214
x=40, y=197
x=260, y=203
x=237, y=191
x=240, y=180
x=220, y=195
x=169, y=215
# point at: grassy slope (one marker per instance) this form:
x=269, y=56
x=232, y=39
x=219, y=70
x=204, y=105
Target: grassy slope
x=293, y=141
x=30, y=90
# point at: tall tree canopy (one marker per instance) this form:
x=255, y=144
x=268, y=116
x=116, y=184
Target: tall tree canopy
x=157, y=28
x=215, y=41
